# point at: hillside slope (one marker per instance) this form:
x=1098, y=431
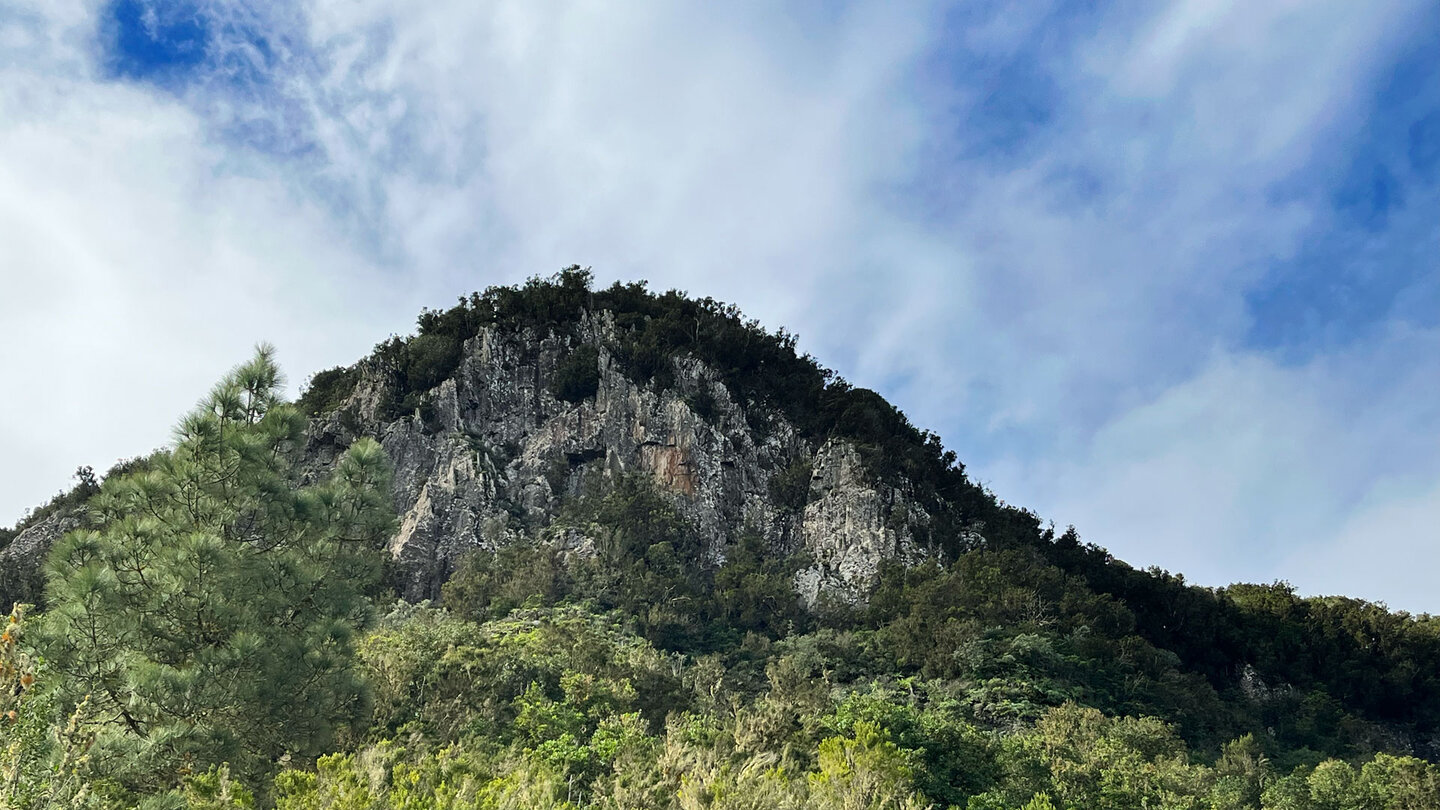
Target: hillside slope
x=495, y=416
x=663, y=460
x=502, y=409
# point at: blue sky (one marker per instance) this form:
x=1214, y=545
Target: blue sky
x=1166, y=271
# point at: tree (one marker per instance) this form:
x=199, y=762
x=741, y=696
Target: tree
x=208, y=613
x=645, y=562
x=868, y=772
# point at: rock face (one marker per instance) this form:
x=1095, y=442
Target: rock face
x=491, y=452
x=21, y=578
x=851, y=527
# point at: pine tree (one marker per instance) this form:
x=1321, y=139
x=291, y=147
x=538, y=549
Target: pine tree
x=209, y=612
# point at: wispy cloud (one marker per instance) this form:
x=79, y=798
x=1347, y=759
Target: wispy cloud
x=140, y=259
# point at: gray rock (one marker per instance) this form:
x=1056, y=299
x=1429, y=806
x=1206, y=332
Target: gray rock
x=851, y=527
x=21, y=563
x=492, y=453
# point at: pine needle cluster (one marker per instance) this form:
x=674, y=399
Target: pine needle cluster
x=209, y=612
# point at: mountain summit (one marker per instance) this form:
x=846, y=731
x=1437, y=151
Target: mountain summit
x=505, y=407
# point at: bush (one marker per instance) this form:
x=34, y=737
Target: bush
x=490, y=584
x=578, y=375
x=327, y=391
x=790, y=488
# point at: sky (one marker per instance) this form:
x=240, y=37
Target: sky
x=1165, y=271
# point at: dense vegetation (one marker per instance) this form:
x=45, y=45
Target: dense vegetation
x=206, y=614
x=211, y=638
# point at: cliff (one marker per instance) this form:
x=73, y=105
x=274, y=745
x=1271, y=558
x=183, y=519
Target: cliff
x=491, y=453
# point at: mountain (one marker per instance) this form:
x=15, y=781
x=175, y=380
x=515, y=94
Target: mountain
x=664, y=460
x=503, y=409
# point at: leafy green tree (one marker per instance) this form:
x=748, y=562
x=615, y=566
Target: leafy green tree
x=490, y=584
x=215, y=790
x=645, y=562
x=954, y=758
x=1334, y=786
x=327, y=391
x=578, y=375
x=389, y=776
x=755, y=589
x=1402, y=782
x=1287, y=793
x=1240, y=774
x=866, y=772
x=208, y=613
x=531, y=677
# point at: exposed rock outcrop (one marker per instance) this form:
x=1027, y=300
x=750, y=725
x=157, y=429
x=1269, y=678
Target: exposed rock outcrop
x=492, y=451
x=21, y=562
x=851, y=527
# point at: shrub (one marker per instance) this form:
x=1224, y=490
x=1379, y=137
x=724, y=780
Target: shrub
x=327, y=391
x=578, y=375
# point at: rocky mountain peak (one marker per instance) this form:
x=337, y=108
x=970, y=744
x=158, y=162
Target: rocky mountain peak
x=489, y=455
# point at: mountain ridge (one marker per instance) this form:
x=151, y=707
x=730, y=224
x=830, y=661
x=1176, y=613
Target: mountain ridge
x=501, y=411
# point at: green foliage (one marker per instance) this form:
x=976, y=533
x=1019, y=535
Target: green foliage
x=866, y=770
x=215, y=790
x=561, y=708
x=24, y=746
x=642, y=566
x=456, y=678
x=208, y=613
x=17, y=671
x=645, y=563
x=578, y=375
x=490, y=584
x=754, y=590
x=702, y=401
x=212, y=627
x=1342, y=662
x=327, y=391
x=1346, y=665
x=390, y=776
x=790, y=487
x=42, y=764
x=952, y=757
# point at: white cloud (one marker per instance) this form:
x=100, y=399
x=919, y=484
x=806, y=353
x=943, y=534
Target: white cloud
x=135, y=271
x=1252, y=471
x=700, y=150
x=1387, y=550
